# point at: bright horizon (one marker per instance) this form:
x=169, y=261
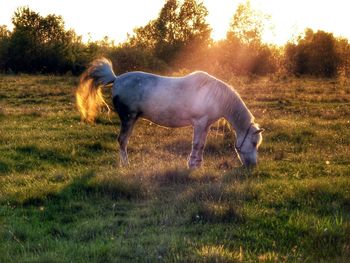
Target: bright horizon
x=116, y=19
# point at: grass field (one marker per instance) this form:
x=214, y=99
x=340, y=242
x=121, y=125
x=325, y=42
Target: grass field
x=63, y=197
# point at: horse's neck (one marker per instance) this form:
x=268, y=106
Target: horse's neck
x=238, y=115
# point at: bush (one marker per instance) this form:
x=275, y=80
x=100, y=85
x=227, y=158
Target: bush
x=41, y=45
x=314, y=54
x=127, y=59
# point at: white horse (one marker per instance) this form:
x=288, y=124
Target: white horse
x=197, y=100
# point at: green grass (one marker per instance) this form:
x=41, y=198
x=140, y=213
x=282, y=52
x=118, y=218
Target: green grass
x=64, y=198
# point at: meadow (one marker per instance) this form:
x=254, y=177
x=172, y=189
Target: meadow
x=64, y=198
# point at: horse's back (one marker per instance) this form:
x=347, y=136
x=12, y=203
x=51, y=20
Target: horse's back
x=168, y=101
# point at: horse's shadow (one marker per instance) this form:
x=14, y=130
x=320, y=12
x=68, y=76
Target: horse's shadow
x=178, y=147
x=183, y=147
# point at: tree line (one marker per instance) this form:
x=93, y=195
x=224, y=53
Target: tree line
x=179, y=38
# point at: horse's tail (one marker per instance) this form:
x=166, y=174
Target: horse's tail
x=88, y=94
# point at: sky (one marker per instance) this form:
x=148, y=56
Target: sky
x=116, y=18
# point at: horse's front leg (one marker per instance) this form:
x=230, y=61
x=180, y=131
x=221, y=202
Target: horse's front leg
x=199, y=137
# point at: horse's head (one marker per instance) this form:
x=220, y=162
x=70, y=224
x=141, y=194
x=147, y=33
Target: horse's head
x=247, y=145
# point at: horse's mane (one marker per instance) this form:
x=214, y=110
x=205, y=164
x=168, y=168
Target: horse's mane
x=231, y=102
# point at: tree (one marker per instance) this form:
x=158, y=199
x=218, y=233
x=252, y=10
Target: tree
x=144, y=37
x=192, y=23
x=194, y=35
x=167, y=29
x=244, y=52
x=4, y=42
x=343, y=51
x=127, y=58
x=177, y=28
x=247, y=24
x=314, y=54
x=41, y=44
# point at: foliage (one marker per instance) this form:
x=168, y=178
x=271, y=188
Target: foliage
x=314, y=54
x=178, y=39
x=178, y=29
x=243, y=52
x=126, y=58
x=41, y=44
x=247, y=24
x=343, y=51
x=4, y=42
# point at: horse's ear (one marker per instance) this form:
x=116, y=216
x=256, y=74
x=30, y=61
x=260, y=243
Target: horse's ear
x=259, y=130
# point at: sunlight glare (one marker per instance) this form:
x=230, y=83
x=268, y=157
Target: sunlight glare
x=118, y=18
x=288, y=19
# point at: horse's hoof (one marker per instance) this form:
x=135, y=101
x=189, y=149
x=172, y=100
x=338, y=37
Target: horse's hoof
x=195, y=165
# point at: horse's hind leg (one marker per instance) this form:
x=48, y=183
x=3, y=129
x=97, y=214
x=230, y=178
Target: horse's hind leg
x=199, y=137
x=125, y=132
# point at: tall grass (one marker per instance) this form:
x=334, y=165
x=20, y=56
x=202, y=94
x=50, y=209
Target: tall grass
x=64, y=198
